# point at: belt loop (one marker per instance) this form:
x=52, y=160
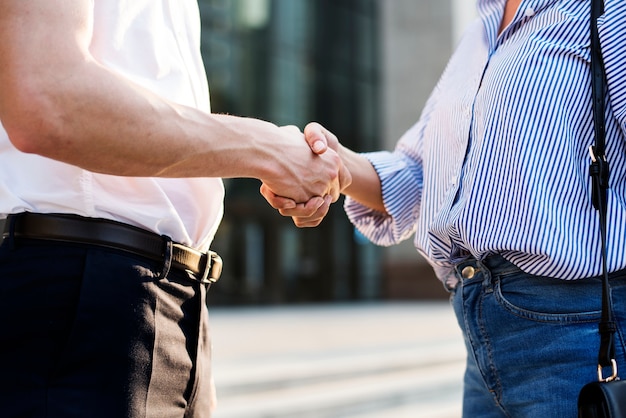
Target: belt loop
x=212, y=268
x=167, y=259
x=487, y=279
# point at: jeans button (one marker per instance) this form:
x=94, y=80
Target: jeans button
x=468, y=272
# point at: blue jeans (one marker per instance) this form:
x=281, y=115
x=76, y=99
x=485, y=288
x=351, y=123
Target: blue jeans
x=95, y=332
x=532, y=341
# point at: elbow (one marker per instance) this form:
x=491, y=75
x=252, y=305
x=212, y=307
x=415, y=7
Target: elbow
x=27, y=141
x=22, y=139
x=31, y=124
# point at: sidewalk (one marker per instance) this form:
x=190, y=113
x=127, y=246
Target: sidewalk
x=391, y=360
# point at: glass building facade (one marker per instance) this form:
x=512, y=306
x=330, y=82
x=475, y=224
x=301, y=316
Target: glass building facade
x=291, y=62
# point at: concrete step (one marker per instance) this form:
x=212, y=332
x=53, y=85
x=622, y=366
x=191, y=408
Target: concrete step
x=430, y=394
x=385, y=374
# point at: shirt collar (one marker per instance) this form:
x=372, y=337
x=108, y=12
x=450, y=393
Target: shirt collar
x=491, y=11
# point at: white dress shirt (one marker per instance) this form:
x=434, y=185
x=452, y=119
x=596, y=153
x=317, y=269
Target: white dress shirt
x=156, y=44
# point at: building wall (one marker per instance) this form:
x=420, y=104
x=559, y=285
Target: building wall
x=290, y=62
x=417, y=38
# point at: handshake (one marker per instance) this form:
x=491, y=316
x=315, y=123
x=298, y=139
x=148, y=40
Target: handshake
x=304, y=188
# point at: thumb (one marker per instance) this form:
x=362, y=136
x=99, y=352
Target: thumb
x=314, y=135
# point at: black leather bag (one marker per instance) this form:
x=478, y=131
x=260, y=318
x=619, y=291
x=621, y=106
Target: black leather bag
x=602, y=399
x=606, y=397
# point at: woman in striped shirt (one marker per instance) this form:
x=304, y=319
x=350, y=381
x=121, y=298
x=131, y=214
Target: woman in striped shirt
x=492, y=182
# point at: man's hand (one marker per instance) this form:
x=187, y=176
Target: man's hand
x=312, y=212
x=293, y=171
x=304, y=215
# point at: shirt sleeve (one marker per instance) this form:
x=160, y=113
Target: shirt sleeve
x=400, y=174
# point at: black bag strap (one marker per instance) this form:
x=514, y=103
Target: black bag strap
x=599, y=172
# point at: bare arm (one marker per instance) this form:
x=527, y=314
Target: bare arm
x=57, y=101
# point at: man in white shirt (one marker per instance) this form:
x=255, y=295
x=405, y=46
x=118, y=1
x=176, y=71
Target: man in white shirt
x=111, y=192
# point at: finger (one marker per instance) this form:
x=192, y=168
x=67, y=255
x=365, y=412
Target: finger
x=275, y=201
x=345, y=179
x=325, y=135
x=307, y=222
x=334, y=191
x=304, y=210
x=314, y=135
x=313, y=220
x=338, y=185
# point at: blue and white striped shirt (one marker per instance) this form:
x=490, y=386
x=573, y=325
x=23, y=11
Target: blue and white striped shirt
x=498, y=161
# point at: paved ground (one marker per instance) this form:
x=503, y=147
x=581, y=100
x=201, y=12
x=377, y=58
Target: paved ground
x=391, y=360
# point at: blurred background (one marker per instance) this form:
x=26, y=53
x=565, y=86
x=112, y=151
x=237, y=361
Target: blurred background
x=362, y=68
x=319, y=322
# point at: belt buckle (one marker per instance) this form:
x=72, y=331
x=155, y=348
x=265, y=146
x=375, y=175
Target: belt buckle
x=212, y=268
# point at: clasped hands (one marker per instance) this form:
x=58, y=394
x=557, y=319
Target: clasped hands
x=310, y=213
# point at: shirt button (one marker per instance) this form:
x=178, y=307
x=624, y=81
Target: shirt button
x=529, y=12
x=468, y=272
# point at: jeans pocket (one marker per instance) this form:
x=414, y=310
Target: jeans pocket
x=546, y=299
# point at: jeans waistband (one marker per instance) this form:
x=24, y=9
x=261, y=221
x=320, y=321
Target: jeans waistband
x=496, y=265
x=469, y=268
x=206, y=267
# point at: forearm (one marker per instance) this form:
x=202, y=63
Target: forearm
x=94, y=119
x=365, y=187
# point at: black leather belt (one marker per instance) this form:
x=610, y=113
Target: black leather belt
x=207, y=267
